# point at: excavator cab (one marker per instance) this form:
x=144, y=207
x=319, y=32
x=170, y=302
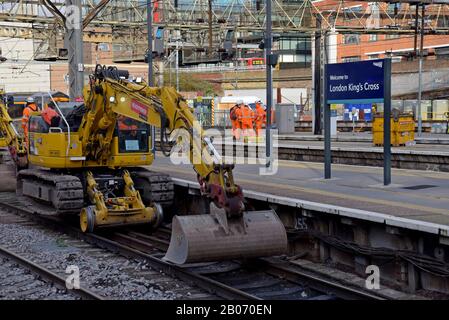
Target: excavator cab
x=133, y=136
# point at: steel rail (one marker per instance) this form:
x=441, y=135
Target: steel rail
x=48, y=275
x=129, y=249
x=212, y=286
x=203, y=282
x=285, y=270
x=318, y=282
x=293, y=273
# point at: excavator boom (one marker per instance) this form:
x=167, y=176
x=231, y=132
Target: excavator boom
x=10, y=138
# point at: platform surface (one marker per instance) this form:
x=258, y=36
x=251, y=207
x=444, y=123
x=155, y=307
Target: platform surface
x=417, y=195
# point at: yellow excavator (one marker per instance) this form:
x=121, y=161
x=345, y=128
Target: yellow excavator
x=10, y=138
x=91, y=164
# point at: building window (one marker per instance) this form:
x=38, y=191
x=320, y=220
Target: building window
x=391, y=36
x=372, y=37
x=351, y=59
x=103, y=47
x=394, y=8
x=351, y=39
x=351, y=12
x=373, y=56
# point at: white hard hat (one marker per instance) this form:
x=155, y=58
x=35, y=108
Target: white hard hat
x=30, y=100
x=240, y=101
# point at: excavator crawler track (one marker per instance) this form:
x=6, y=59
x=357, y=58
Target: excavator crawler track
x=64, y=192
x=154, y=186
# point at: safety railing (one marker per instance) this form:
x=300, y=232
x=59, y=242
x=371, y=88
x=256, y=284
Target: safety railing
x=65, y=120
x=219, y=119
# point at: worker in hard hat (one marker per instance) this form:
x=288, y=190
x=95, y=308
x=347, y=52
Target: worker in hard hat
x=29, y=108
x=50, y=116
x=235, y=115
x=127, y=125
x=246, y=121
x=260, y=118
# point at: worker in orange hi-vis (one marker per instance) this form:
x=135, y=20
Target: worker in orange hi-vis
x=235, y=115
x=50, y=116
x=127, y=125
x=247, y=121
x=30, y=107
x=260, y=118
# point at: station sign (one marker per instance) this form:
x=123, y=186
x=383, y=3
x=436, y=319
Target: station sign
x=355, y=82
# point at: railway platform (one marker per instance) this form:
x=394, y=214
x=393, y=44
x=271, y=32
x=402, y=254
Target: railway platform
x=414, y=195
x=366, y=137
x=353, y=220
x=431, y=152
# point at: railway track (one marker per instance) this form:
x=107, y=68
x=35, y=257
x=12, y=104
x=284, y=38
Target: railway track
x=256, y=279
x=263, y=278
x=45, y=243
x=49, y=276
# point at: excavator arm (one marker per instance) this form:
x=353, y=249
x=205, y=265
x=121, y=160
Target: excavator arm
x=228, y=232
x=10, y=138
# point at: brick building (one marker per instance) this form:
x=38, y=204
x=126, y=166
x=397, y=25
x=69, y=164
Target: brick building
x=355, y=47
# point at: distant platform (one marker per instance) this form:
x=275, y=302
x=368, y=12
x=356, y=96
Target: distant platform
x=366, y=137
x=433, y=154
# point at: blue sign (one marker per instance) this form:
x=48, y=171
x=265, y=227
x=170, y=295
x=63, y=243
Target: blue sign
x=355, y=82
x=364, y=111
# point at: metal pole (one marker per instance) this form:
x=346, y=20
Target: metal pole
x=317, y=79
x=387, y=121
x=415, y=43
x=236, y=59
x=150, y=66
x=268, y=38
x=421, y=49
x=177, y=66
x=74, y=43
x=327, y=130
x=210, y=27
x=150, y=42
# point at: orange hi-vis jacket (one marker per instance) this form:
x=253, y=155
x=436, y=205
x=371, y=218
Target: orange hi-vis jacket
x=32, y=107
x=125, y=124
x=260, y=116
x=246, y=117
x=236, y=113
x=48, y=114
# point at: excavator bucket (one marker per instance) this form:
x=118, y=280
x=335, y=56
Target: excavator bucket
x=212, y=237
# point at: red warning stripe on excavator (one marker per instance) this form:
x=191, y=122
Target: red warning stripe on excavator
x=140, y=109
